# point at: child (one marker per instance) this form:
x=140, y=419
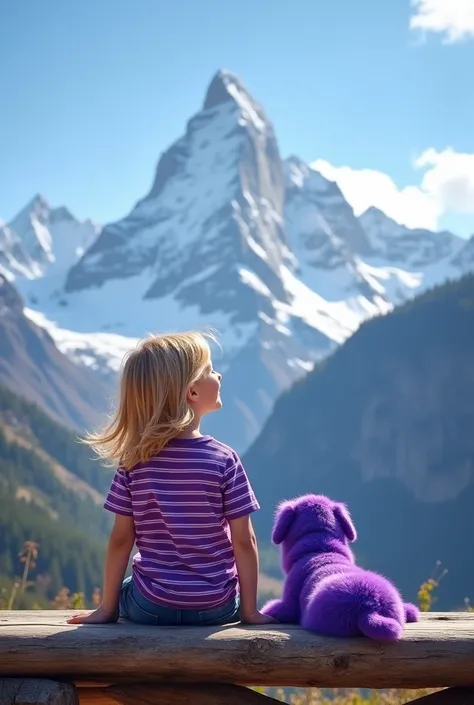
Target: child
x=183, y=497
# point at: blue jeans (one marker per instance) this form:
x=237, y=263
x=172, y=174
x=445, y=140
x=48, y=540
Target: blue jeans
x=136, y=608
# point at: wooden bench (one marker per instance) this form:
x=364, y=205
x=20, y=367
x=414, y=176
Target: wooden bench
x=44, y=660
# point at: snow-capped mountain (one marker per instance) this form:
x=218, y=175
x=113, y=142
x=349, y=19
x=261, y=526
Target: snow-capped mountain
x=327, y=241
x=43, y=241
x=13, y=257
x=464, y=260
x=267, y=251
x=37, y=250
x=398, y=244
x=406, y=261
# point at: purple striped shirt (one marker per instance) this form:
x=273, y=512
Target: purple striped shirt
x=181, y=501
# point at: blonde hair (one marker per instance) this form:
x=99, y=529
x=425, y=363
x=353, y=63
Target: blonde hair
x=153, y=408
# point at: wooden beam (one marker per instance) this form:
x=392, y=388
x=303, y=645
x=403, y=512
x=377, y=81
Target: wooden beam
x=36, y=691
x=435, y=653
x=205, y=694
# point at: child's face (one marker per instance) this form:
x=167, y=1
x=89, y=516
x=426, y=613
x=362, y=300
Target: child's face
x=204, y=395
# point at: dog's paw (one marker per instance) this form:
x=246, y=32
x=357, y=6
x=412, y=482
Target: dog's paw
x=272, y=608
x=412, y=613
x=380, y=628
x=279, y=611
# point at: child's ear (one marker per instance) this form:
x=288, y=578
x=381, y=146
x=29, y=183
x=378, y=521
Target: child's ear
x=191, y=395
x=284, y=519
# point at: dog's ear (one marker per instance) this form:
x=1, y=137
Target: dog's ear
x=344, y=518
x=283, y=521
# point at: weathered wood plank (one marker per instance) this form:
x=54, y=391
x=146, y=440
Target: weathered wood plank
x=59, y=617
x=436, y=652
x=211, y=694
x=36, y=691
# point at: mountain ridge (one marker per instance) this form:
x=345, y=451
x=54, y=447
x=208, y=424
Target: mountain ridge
x=230, y=235
x=32, y=365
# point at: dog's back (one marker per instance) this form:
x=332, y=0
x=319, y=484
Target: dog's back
x=324, y=588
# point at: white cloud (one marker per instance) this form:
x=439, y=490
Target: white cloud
x=446, y=186
x=366, y=187
x=449, y=178
x=453, y=18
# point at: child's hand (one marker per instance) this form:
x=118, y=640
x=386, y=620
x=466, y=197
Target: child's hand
x=258, y=617
x=99, y=616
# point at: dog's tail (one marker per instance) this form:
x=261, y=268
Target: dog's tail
x=375, y=626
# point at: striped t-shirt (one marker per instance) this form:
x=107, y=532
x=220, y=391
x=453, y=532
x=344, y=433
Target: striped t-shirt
x=181, y=501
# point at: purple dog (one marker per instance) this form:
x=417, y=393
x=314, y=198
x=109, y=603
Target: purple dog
x=324, y=590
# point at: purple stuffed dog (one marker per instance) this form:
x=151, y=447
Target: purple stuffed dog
x=324, y=590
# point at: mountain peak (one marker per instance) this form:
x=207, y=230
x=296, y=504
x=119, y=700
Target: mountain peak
x=38, y=206
x=299, y=174
x=294, y=161
x=222, y=89
x=374, y=212
x=376, y=220
x=40, y=236
x=226, y=89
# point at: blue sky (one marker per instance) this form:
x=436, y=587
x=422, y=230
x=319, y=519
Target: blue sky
x=377, y=92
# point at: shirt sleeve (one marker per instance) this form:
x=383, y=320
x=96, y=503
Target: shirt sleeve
x=238, y=496
x=119, y=499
